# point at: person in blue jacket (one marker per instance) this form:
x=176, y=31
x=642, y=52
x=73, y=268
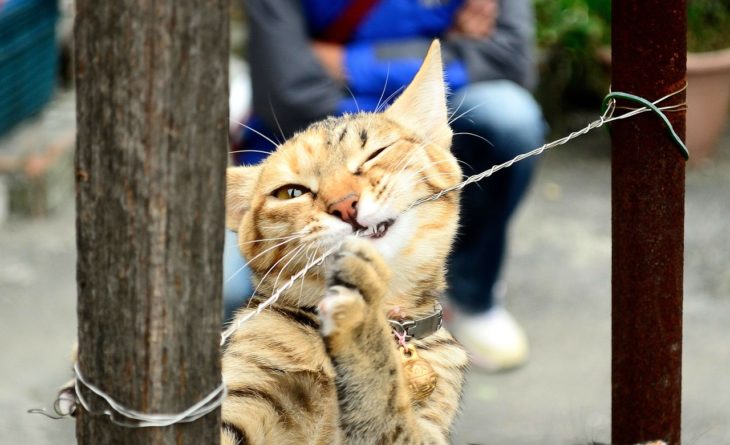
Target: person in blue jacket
x=313, y=58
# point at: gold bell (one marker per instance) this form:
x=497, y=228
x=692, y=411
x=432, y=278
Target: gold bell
x=420, y=376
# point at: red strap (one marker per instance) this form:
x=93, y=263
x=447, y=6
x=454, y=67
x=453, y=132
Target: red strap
x=342, y=27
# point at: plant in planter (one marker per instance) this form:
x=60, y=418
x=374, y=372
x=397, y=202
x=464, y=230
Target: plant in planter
x=708, y=75
x=571, y=33
x=707, y=25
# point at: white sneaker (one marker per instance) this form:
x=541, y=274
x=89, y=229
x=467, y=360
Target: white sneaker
x=493, y=339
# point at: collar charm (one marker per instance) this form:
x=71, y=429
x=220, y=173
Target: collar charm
x=420, y=376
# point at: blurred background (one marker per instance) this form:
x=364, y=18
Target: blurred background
x=559, y=266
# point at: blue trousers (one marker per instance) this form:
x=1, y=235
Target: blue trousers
x=236, y=277
x=507, y=116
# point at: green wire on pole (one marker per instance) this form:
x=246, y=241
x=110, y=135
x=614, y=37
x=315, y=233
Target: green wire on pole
x=652, y=107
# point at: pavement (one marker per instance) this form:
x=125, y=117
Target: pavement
x=558, y=277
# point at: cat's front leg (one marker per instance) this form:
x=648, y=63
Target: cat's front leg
x=374, y=402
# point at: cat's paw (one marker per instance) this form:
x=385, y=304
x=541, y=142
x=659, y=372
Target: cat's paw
x=359, y=266
x=340, y=311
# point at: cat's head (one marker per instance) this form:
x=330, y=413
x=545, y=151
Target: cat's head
x=351, y=174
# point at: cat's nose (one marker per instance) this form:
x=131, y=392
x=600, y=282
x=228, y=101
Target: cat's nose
x=345, y=208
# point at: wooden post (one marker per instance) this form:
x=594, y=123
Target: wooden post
x=649, y=55
x=152, y=104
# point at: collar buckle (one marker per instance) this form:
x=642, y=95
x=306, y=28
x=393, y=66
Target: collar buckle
x=423, y=327
x=403, y=327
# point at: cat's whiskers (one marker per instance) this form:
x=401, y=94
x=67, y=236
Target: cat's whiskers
x=304, y=276
x=385, y=85
x=250, y=151
x=326, y=236
x=308, y=256
x=454, y=119
x=461, y=102
x=460, y=162
x=272, y=267
x=270, y=239
x=357, y=106
x=279, y=227
x=255, y=131
x=297, y=251
x=404, y=161
x=277, y=293
x=387, y=99
x=276, y=119
x=475, y=135
x=268, y=249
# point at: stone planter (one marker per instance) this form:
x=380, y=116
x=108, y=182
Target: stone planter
x=708, y=100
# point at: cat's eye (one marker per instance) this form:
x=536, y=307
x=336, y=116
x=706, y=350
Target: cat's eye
x=376, y=153
x=290, y=191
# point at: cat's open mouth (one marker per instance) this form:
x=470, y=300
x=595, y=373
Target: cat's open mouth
x=379, y=230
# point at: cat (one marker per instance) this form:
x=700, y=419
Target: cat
x=322, y=365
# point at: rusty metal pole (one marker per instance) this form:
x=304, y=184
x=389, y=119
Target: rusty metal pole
x=649, y=60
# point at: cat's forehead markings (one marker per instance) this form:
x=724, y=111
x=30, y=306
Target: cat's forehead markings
x=308, y=150
x=338, y=130
x=343, y=133
x=363, y=137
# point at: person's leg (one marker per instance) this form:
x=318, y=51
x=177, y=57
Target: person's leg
x=508, y=117
x=236, y=277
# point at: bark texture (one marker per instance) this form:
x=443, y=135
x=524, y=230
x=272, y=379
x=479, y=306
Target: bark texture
x=152, y=104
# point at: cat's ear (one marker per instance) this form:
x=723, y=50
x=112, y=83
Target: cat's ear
x=422, y=106
x=240, y=183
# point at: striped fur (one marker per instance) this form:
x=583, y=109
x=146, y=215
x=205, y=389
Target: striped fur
x=321, y=366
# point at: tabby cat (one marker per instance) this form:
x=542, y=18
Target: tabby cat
x=322, y=366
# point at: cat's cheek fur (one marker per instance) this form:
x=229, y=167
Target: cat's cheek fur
x=370, y=212
x=332, y=230
x=399, y=234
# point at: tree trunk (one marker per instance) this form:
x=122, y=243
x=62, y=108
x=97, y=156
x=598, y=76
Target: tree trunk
x=152, y=89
